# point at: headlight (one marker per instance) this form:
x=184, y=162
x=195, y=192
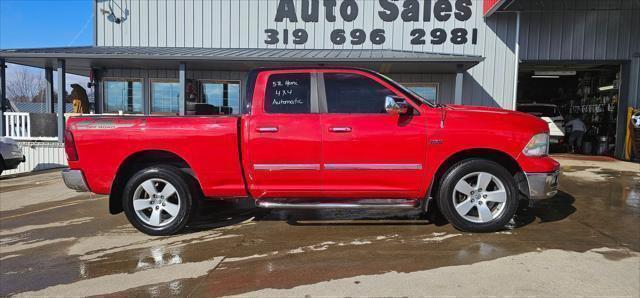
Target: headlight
x=537, y=146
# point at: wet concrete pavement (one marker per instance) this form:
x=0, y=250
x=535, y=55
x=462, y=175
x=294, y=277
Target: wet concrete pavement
x=584, y=241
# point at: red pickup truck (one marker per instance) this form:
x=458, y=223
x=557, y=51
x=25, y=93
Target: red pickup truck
x=316, y=137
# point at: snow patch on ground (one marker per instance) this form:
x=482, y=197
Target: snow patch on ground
x=439, y=237
x=504, y=233
x=25, y=229
x=256, y=256
x=31, y=244
x=123, y=239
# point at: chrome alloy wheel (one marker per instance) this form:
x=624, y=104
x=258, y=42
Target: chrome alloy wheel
x=156, y=202
x=479, y=197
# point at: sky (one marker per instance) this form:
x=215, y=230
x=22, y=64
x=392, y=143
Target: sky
x=45, y=23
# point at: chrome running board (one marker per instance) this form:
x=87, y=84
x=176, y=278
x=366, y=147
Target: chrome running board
x=332, y=204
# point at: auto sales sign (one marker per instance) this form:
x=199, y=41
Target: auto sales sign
x=371, y=23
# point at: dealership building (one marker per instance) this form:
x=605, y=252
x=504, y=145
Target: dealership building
x=570, y=58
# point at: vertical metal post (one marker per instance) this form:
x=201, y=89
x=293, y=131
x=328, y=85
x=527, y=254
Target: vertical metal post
x=146, y=96
x=623, y=106
x=48, y=75
x=458, y=91
x=3, y=94
x=61, y=98
x=98, y=100
x=517, y=62
x=182, y=102
x=225, y=95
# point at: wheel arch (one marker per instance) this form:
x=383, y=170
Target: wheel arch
x=140, y=160
x=497, y=156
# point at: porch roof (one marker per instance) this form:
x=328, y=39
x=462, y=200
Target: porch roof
x=80, y=60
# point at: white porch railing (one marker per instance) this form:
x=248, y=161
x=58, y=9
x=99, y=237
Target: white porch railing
x=18, y=127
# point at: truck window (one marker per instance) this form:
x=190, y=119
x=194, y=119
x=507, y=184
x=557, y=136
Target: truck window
x=288, y=94
x=354, y=93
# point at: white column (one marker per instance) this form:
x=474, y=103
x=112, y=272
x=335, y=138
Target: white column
x=517, y=62
x=458, y=88
x=182, y=104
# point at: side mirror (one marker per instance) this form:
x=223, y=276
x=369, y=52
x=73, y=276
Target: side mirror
x=396, y=105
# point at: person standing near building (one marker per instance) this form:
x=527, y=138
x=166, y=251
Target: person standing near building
x=79, y=99
x=577, y=129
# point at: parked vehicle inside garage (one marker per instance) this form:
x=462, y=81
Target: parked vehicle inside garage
x=550, y=114
x=317, y=138
x=10, y=154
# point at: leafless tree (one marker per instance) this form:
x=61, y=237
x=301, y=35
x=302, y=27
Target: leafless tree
x=24, y=86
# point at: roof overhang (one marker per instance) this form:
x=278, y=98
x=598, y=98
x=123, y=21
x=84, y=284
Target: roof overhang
x=489, y=7
x=80, y=60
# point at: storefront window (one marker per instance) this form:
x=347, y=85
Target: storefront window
x=224, y=96
x=165, y=97
x=123, y=95
x=428, y=91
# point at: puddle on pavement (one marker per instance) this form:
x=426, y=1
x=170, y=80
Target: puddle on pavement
x=283, y=249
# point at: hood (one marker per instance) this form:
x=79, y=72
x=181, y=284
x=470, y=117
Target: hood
x=479, y=109
x=497, y=118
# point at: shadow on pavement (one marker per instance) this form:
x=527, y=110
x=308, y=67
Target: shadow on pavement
x=553, y=209
x=221, y=213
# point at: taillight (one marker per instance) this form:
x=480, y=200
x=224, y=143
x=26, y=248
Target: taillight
x=70, y=146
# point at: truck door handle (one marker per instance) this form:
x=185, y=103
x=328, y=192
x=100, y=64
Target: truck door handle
x=340, y=129
x=267, y=129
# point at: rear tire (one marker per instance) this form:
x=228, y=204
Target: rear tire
x=478, y=195
x=158, y=200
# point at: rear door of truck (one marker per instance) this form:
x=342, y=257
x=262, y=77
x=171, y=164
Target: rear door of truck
x=282, y=136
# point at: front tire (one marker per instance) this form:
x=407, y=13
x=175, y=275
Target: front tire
x=478, y=195
x=158, y=200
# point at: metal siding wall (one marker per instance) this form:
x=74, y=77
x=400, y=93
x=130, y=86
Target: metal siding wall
x=579, y=35
x=40, y=156
x=610, y=33
x=241, y=24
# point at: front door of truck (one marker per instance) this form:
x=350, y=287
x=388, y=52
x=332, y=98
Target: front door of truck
x=283, y=136
x=368, y=153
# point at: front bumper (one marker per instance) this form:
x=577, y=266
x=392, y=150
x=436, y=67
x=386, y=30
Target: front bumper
x=13, y=162
x=74, y=179
x=542, y=185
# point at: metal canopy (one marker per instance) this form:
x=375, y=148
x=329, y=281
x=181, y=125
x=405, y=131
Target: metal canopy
x=79, y=60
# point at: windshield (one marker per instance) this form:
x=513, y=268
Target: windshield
x=409, y=91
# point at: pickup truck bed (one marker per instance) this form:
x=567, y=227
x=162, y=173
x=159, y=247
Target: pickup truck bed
x=208, y=145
